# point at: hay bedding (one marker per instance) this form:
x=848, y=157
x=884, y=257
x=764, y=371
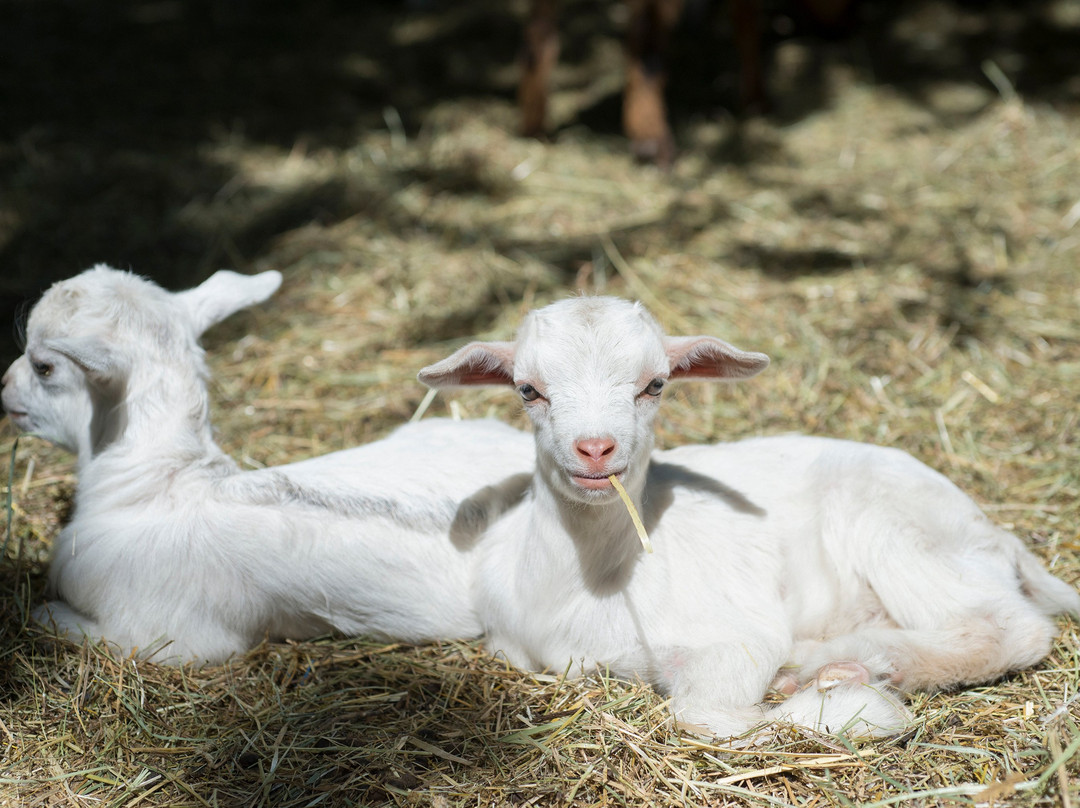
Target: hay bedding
x=908, y=260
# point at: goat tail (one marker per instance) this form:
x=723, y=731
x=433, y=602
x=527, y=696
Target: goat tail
x=852, y=708
x=1050, y=594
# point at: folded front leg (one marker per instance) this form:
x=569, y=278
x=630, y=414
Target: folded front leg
x=978, y=648
x=719, y=688
x=67, y=622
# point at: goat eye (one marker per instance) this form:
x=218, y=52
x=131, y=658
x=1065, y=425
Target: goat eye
x=655, y=387
x=528, y=392
x=42, y=369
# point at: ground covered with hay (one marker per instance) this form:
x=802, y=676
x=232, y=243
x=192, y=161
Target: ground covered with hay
x=900, y=234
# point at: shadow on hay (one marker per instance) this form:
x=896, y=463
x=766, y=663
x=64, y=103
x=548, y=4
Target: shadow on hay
x=289, y=724
x=362, y=727
x=110, y=111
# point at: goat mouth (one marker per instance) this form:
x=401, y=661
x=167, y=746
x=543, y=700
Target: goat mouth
x=595, y=482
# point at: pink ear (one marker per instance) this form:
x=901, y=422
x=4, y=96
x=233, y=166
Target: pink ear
x=710, y=358
x=476, y=365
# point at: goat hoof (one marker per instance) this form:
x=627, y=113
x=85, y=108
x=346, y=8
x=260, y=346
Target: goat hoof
x=785, y=683
x=839, y=673
x=659, y=151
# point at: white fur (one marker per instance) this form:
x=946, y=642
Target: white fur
x=845, y=568
x=176, y=554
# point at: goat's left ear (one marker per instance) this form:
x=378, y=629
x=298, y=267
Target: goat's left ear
x=225, y=293
x=477, y=364
x=102, y=365
x=707, y=358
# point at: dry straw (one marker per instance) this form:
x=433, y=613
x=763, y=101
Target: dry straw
x=638, y=526
x=912, y=272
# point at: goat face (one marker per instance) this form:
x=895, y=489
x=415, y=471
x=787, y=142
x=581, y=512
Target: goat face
x=82, y=338
x=87, y=333
x=45, y=393
x=590, y=371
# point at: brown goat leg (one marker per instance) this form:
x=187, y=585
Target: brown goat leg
x=644, y=111
x=540, y=54
x=746, y=31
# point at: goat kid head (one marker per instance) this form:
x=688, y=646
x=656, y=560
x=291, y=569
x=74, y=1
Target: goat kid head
x=88, y=334
x=591, y=371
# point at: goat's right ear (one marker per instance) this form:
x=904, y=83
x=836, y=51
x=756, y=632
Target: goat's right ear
x=225, y=293
x=709, y=358
x=101, y=364
x=477, y=364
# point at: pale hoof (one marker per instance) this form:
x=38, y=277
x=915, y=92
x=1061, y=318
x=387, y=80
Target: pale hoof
x=785, y=683
x=838, y=673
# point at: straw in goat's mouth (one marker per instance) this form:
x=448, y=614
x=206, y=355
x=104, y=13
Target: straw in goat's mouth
x=645, y=543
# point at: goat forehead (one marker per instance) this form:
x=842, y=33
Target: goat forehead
x=580, y=340
x=99, y=301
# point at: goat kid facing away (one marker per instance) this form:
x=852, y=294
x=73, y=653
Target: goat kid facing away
x=836, y=572
x=175, y=553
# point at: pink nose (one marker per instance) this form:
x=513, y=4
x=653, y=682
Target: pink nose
x=595, y=450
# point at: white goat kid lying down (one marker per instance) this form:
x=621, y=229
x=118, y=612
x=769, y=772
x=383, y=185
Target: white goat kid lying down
x=174, y=552
x=845, y=568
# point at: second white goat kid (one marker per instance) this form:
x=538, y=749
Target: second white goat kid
x=176, y=554
x=843, y=568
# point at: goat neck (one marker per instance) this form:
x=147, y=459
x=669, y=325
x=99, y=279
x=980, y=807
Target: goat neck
x=164, y=411
x=601, y=534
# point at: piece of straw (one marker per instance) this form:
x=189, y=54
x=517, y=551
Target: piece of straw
x=633, y=513
x=10, y=505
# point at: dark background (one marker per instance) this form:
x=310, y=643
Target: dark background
x=106, y=109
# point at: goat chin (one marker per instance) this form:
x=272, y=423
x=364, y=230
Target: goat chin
x=175, y=554
x=788, y=557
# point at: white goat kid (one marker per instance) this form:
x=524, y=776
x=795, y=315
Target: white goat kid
x=174, y=552
x=843, y=567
